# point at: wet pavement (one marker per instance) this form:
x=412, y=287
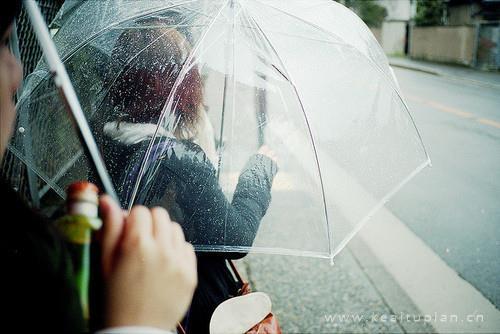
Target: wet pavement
x=311, y=296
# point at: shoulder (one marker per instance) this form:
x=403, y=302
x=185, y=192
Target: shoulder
x=182, y=154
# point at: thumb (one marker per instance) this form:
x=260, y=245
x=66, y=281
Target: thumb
x=113, y=223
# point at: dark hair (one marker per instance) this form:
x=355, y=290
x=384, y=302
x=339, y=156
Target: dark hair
x=10, y=10
x=152, y=59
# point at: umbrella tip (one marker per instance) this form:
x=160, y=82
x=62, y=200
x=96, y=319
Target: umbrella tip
x=331, y=261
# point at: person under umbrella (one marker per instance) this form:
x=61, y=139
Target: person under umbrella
x=180, y=172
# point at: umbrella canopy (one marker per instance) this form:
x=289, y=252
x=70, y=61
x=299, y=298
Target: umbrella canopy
x=206, y=83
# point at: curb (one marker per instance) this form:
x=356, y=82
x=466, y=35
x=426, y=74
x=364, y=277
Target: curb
x=430, y=284
x=384, y=284
x=444, y=75
x=416, y=68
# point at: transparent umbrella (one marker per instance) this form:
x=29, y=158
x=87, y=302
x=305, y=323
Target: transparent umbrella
x=180, y=95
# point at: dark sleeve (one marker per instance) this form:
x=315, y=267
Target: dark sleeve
x=36, y=282
x=251, y=199
x=217, y=221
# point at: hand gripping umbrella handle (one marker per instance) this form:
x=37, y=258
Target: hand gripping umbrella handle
x=68, y=94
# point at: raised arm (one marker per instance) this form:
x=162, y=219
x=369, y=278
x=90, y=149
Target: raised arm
x=207, y=216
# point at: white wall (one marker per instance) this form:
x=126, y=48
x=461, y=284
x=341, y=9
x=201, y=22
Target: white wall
x=393, y=32
x=445, y=44
x=399, y=10
x=393, y=37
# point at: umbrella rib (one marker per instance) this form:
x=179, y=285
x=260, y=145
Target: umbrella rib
x=327, y=33
x=383, y=73
x=88, y=40
x=41, y=174
x=182, y=73
x=380, y=204
x=308, y=128
x=391, y=82
x=98, y=33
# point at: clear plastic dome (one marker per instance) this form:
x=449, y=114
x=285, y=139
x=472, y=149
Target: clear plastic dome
x=181, y=95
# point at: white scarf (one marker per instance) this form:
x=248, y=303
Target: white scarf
x=133, y=133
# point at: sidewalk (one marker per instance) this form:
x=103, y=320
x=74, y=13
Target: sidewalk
x=476, y=77
x=311, y=296
x=355, y=295
x=386, y=281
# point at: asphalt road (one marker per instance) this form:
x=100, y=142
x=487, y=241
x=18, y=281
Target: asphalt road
x=454, y=206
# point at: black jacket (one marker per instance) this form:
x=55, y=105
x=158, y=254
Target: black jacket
x=36, y=283
x=180, y=177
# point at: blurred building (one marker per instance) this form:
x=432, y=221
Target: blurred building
x=393, y=35
x=484, y=17
x=464, y=12
x=469, y=32
x=391, y=28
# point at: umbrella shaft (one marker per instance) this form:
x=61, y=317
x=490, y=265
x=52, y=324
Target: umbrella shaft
x=84, y=133
x=68, y=94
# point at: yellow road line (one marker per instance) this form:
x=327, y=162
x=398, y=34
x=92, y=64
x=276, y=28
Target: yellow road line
x=414, y=98
x=450, y=110
x=454, y=111
x=489, y=122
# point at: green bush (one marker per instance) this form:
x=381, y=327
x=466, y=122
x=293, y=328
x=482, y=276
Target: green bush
x=369, y=11
x=430, y=12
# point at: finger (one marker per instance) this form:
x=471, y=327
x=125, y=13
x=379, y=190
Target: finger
x=161, y=224
x=190, y=261
x=190, y=253
x=139, y=224
x=177, y=235
x=113, y=223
